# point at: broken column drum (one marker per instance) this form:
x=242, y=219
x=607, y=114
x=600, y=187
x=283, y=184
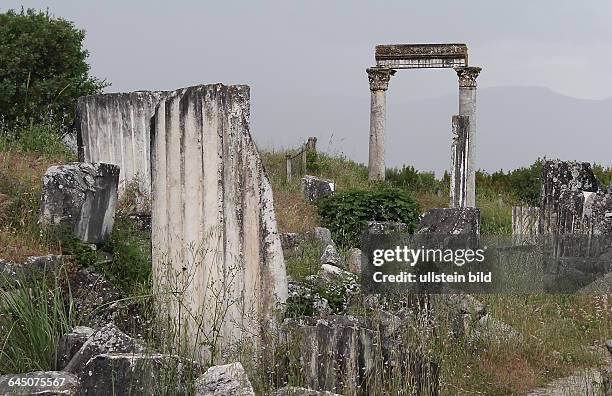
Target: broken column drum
x=217, y=258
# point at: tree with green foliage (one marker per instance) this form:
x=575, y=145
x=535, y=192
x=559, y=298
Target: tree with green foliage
x=43, y=70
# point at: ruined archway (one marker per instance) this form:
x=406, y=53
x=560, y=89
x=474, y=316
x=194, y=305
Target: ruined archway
x=389, y=58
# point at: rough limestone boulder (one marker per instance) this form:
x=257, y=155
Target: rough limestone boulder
x=450, y=221
x=353, y=260
x=115, y=128
x=137, y=374
x=558, y=177
x=226, y=380
x=331, y=256
x=109, y=339
x=297, y=391
x=70, y=343
x=45, y=383
x=315, y=188
x=320, y=234
x=213, y=219
x=83, y=196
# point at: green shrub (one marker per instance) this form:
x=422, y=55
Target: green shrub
x=130, y=266
x=413, y=180
x=348, y=212
x=41, y=138
x=43, y=68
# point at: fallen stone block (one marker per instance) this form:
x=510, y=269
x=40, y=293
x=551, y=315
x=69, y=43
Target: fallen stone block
x=225, y=380
x=109, y=339
x=559, y=176
x=44, y=383
x=386, y=227
x=315, y=188
x=95, y=298
x=137, y=374
x=70, y=343
x=82, y=196
x=353, y=260
x=320, y=234
x=331, y=256
x=450, y=221
x=290, y=240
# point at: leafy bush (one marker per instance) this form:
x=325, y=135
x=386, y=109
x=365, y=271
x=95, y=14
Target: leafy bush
x=413, y=180
x=43, y=68
x=42, y=138
x=348, y=212
x=523, y=183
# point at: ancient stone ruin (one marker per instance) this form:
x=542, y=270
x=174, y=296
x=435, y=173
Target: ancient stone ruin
x=82, y=196
x=427, y=56
x=115, y=128
x=565, y=186
x=525, y=221
x=217, y=256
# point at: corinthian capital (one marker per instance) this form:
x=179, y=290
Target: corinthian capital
x=379, y=78
x=467, y=76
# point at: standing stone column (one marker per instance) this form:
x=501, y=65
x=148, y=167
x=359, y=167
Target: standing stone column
x=379, y=82
x=467, y=107
x=218, y=265
x=459, y=161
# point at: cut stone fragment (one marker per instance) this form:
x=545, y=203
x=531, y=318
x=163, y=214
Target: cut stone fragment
x=315, y=188
x=225, y=380
x=82, y=196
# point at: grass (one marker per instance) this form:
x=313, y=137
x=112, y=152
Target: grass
x=559, y=332
x=32, y=319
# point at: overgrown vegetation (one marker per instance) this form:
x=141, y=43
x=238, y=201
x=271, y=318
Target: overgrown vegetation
x=43, y=70
x=348, y=212
x=35, y=311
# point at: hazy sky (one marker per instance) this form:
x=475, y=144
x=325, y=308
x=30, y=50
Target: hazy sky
x=305, y=61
